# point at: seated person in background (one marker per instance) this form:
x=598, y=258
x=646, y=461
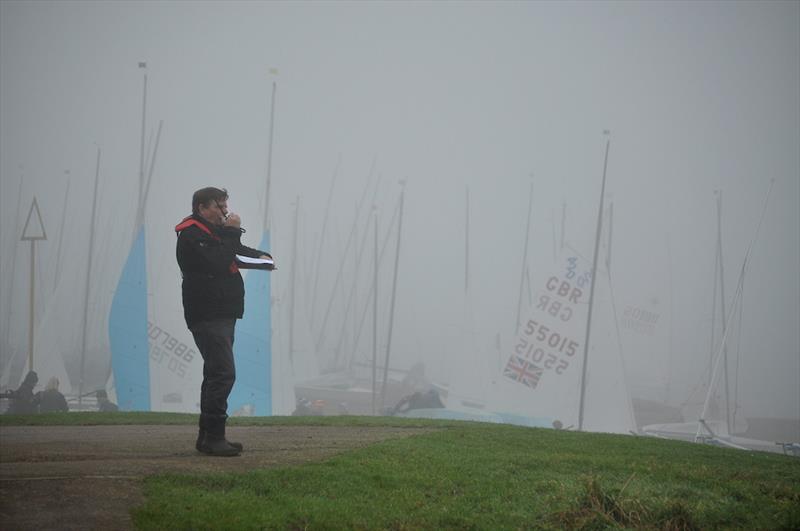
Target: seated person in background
x=428, y=400
x=103, y=403
x=51, y=400
x=22, y=399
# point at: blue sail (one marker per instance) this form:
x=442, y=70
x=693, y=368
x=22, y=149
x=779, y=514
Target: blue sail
x=252, y=349
x=127, y=330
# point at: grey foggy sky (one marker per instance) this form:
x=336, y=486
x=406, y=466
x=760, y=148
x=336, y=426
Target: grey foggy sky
x=698, y=96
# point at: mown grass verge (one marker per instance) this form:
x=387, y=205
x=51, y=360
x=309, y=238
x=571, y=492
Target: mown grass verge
x=482, y=476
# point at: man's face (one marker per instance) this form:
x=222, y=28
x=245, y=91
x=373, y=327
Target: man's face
x=215, y=212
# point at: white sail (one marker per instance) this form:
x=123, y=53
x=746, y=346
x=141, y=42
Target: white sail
x=542, y=372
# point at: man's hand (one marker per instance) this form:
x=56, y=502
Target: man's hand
x=233, y=220
x=265, y=257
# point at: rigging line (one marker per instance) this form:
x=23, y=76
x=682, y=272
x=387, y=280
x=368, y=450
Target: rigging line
x=152, y=166
x=293, y=280
x=61, y=236
x=524, y=256
x=336, y=282
x=269, y=156
x=380, y=259
x=351, y=297
x=85, y=323
x=530, y=287
x=738, y=358
x=17, y=230
x=141, y=152
x=722, y=309
x=359, y=250
x=553, y=225
x=621, y=353
x=394, y=294
x=736, y=299
x=357, y=262
x=591, y=290
x=671, y=319
x=713, y=309
x=318, y=258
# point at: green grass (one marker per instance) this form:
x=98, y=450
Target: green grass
x=477, y=476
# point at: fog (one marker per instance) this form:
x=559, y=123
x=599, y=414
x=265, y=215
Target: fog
x=456, y=100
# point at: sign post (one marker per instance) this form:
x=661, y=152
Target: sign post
x=33, y=232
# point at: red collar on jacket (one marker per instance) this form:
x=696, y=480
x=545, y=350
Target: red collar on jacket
x=189, y=221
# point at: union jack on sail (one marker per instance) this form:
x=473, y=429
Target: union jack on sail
x=522, y=371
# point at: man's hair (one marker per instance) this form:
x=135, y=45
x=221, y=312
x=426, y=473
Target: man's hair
x=52, y=383
x=204, y=196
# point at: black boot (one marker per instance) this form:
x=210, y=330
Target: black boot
x=217, y=445
x=213, y=441
x=201, y=435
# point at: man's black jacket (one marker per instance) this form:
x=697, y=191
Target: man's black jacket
x=212, y=285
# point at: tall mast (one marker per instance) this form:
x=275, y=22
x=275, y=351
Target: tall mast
x=394, y=293
x=717, y=253
x=466, y=248
x=292, y=283
x=736, y=297
x=319, y=257
x=152, y=163
x=524, y=256
x=671, y=319
x=269, y=157
x=351, y=239
x=139, y=205
x=722, y=308
x=88, y=279
x=553, y=226
x=61, y=232
x=591, y=289
x=7, y=329
x=610, y=234
x=375, y=313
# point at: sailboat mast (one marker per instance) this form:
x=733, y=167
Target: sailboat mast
x=591, y=290
x=610, y=234
x=394, y=293
x=319, y=257
x=524, y=256
x=671, y=320
x=88, y=280
x=714, y=302
x=292, y=284
x=139, y=205
x=740, y=286
x=722, y=309
x=61, y=232
x=466, y=248
x=269, y=157
x=374, y=313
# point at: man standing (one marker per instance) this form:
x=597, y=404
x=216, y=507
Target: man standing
x=213, y=298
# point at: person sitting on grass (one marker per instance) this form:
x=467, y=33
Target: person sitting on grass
x=105, y=405
x=51, y=400
x=22, y=399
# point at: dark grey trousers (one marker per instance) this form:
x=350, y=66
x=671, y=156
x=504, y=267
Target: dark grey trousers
x=214, y=340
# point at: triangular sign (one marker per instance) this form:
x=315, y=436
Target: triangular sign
x=37, y=228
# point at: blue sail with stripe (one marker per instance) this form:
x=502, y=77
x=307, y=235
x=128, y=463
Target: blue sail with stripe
x=252, y=348
x=127, y=330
